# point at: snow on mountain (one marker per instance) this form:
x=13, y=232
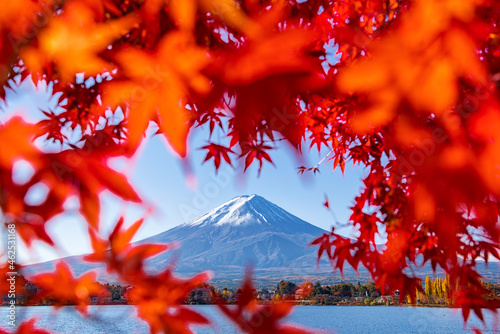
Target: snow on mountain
x=242, y=210
x=245, y=230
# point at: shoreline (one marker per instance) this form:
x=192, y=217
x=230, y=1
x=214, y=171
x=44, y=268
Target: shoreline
x=295, y=304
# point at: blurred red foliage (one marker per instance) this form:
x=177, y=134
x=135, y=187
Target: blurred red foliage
x=408, y=89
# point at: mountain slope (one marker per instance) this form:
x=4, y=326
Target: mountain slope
x=247, y=229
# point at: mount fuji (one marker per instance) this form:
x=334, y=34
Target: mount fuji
x=247, y=230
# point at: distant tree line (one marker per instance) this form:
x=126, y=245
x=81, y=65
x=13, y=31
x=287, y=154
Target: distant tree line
x=434, y=292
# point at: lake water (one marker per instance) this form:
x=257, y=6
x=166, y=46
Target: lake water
x=323, y=319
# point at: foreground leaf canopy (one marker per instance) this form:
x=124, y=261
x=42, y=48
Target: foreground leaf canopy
x=407, y=89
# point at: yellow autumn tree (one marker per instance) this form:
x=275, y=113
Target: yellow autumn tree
x=445, y=286
x=439, y=287
x=428, y=286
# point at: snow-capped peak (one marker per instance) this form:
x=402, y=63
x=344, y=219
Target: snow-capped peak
x=230, y=212
x=245, y=210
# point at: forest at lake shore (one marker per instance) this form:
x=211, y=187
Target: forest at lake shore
x=434, y=293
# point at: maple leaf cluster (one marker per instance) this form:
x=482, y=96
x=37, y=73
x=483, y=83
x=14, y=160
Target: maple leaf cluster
x=408, y=89
x=252, y=318
x=159, y=297
x=418, y=111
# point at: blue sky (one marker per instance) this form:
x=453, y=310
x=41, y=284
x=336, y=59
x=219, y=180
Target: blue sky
x=172, y=197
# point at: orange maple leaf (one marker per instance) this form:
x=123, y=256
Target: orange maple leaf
x=423, y=70
x=72, y=42
x=19, y=135
x=255, y=319
x=119, y=255
x=63, y=287
x=156, y=87
x=184, y=12
x=159, y=299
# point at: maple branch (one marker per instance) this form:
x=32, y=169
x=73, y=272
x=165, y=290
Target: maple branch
x=324, y=158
